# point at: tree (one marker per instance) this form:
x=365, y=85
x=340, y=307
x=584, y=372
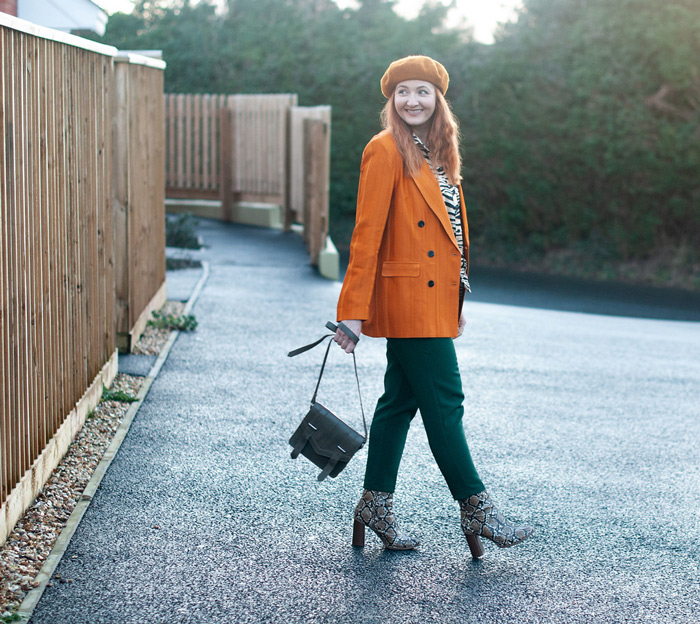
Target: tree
x=581, y=123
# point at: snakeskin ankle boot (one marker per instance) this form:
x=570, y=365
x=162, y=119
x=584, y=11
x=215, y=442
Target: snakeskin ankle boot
x=375, y=510
x=481, y=517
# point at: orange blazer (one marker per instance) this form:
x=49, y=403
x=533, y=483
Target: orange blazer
x=404, y=271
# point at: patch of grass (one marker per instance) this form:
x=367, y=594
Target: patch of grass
x=182, y=322
x=117, y=395
x=14, y=617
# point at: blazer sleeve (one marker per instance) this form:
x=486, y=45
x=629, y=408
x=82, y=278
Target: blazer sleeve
x=378, y=176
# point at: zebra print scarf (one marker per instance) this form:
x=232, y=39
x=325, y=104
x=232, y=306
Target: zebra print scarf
x=450, y=194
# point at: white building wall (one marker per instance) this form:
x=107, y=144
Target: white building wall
x=65, y=15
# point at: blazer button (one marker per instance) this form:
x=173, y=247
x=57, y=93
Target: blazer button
x=431, y=283
x=431, y=253
x=421, y=223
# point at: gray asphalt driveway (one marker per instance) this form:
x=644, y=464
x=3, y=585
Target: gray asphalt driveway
x=585, y=425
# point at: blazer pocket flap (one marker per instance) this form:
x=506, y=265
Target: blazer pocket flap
x=401, y=269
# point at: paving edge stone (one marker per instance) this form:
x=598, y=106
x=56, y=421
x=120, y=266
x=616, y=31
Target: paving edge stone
x=31, y=600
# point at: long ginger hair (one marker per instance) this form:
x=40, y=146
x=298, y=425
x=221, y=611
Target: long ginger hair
x=442, y=141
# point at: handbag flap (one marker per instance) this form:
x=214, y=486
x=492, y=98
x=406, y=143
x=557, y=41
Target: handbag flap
x=330, y=433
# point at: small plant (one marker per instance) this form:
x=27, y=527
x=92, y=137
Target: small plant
x=182, y=322
x=181, y=231
x=13, y=617
x=117, y=395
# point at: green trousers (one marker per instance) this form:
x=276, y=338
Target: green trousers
x=421, y=374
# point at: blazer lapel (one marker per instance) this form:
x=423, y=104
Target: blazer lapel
x=430, y=189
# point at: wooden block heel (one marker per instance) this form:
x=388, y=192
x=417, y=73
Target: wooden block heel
x=475, y=545
x=358, y=534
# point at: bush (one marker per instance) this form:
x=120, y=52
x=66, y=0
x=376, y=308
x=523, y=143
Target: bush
x=181, y=231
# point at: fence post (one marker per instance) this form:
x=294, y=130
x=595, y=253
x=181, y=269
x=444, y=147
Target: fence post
x=225, y=163
x=120, y=200
x=287, y=209
x=316, y=167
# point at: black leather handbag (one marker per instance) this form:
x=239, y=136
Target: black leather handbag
x=322, y=437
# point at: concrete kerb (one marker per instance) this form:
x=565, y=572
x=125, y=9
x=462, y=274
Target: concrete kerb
x=31, y=600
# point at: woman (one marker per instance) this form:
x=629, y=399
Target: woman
x=406, y=280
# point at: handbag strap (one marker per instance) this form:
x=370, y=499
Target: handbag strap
x=355, y=339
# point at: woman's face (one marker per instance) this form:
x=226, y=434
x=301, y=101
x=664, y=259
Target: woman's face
x=414, y=101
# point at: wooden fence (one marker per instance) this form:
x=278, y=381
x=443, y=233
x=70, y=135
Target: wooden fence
x=250, y=148
x=57, y=256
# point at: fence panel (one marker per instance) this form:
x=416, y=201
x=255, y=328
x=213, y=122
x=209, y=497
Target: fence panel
x=56, y=335
x=192, y=145
x=139, y=194
x=256, y=146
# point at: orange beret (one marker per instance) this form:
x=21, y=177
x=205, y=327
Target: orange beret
x=415, y=68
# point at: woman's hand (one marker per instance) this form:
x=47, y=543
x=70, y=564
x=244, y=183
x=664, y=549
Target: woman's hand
x=462, y=324
x=344, y=340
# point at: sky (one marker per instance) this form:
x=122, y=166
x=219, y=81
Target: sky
x=483, y=15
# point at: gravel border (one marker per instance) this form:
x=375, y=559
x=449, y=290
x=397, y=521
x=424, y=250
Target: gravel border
x=30, y=543
x=29, y=546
